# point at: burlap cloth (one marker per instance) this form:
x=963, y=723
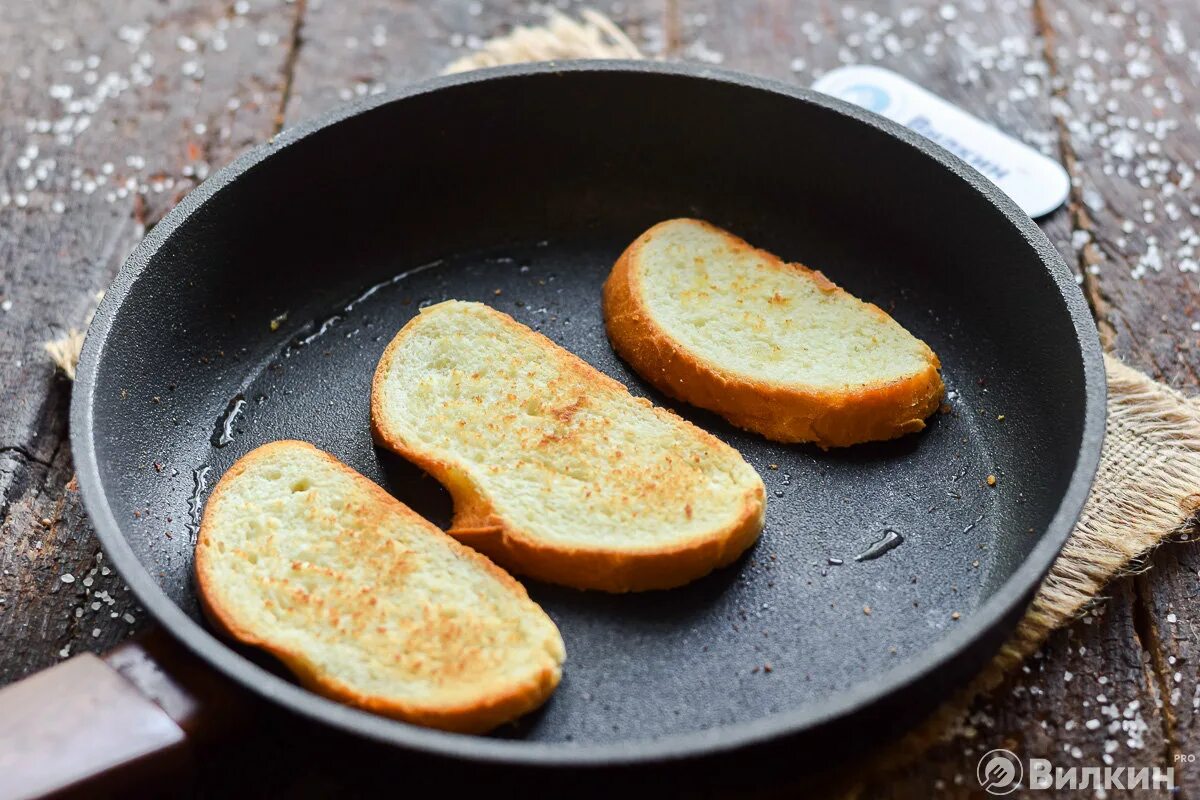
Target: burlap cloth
x=1147, y=489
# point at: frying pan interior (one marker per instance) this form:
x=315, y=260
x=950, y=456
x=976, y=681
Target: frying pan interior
x=259, y=309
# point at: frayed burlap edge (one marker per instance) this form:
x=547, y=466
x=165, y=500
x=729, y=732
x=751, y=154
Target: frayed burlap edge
x=1147, y=488
x=560, y=38
x=64, y=351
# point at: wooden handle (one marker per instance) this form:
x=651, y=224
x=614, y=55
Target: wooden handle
x=102, y=726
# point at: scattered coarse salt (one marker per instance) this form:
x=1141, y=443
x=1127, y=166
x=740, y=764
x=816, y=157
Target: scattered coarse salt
x=67, y=578
x=700, y=51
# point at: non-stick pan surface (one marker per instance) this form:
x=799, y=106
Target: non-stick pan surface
x=258, y=309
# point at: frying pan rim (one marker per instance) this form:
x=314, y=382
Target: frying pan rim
x=1017, y=588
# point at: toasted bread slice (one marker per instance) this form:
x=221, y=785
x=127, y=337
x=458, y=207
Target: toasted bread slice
x=365, y=601
x=556, y=471
x=774, y=348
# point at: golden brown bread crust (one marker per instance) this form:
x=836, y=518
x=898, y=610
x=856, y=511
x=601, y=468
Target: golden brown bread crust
x=476, y=717
x=477, y=524
x=783, y=413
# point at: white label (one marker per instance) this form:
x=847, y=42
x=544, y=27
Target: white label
x=1036, y=183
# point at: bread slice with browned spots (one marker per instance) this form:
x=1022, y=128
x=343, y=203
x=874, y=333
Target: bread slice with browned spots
x=365, y=601
x=775, y=348
x=555, y=469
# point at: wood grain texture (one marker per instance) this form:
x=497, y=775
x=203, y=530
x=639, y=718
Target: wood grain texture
x=111, y=112
x=1108, y=87
x=385, y=44
x=1128, y=102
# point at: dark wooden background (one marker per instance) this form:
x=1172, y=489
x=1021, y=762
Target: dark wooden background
x=111, y=111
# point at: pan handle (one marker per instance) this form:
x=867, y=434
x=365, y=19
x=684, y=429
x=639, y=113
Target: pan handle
x=100, y=726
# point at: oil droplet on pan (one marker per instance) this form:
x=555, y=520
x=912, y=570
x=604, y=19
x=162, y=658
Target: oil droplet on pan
x=223, y=433
x=889, y=541
x=199, y=486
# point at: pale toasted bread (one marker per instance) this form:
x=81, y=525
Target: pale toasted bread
x=556, y=471
x=365, y=601
x=775, y=348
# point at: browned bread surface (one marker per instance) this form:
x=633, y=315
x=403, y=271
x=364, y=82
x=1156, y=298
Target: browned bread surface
x=364, y=600
x=775, y=348
x=556, y=471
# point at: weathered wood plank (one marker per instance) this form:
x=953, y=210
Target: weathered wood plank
x=1088, y=698
x=111, y=112
x=1124, y=96
x=385, y=44
x=1129, y=103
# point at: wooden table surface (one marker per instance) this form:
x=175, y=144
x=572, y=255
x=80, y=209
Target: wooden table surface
x=110, y=112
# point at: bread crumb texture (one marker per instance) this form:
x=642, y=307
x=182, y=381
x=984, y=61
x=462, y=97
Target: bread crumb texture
x=767, y=320
x=364, y=599
x=776, y=348
x=538, y=446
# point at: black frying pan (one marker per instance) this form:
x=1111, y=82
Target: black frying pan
x=519, y=187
